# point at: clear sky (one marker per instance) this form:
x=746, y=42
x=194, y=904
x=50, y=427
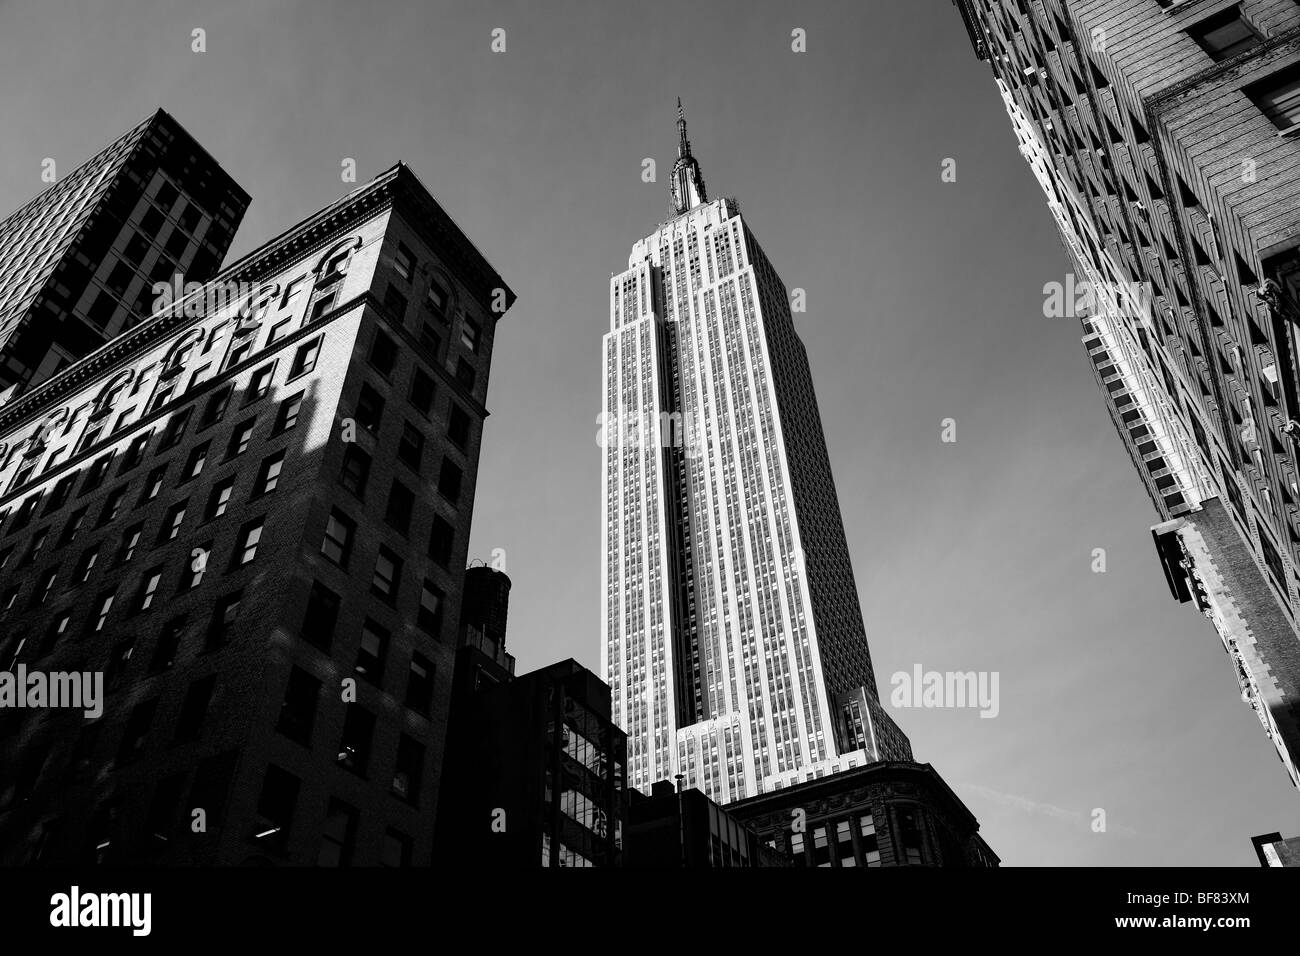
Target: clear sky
x=925, y=301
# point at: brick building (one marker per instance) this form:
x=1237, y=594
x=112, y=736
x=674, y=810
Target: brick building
x=250, y=513
x=890, y=813
x=78, y=262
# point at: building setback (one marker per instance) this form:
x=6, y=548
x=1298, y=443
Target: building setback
x=732, y=637
x=78, y=263
x=251, y=514
x=1163, y=136
x=886, y=814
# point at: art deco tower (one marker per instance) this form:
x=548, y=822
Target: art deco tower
x=732, y=635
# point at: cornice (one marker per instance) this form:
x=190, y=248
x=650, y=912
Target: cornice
x=299, y=242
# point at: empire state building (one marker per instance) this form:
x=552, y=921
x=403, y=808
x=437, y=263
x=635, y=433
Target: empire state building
x=732, y=635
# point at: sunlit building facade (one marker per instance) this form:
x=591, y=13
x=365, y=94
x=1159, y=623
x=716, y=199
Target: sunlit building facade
x=1164, y=136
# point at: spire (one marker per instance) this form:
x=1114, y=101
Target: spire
x=687, y=180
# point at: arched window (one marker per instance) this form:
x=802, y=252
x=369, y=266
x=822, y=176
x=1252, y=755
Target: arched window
x=333, y=265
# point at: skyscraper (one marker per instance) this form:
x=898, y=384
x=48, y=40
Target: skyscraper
x=78, y=262
x=733, y=640
x=1163, y=133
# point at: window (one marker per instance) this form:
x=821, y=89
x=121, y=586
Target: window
x=130, y=539
x=137, y=728
x=194, y=464
x=404, y=261
x=221, y=626
x=217, y=404
x=172, y=521
x=387, y=575
x=395, y=302
x=60, y=495
x=1278, y=97
x=112, y=506
x=238, y=352
x=175, y=428
x=910, y=833
x=169, y=643
x=291, y=290
x=383, y=353
x=437, y=299
x=44, y=585
x=287, y=417
x=194, y=709
x=58, y=627
x=458, y=426
x=409, y=769
x=219, y=498
x=240, y=438
x=276, y=806
x=148, y=588
x=470, y=335
x=260, y=384
x=397, y=849
x=118, y=661
x=1225, y=34
x=449, y=480
x=337, y=834
x=354, y=747
x=96, y=472
x=153, y=484
x=419, y=684
x=465, y=374
x=401, y=502
x=304, y=360
x=73, y=526
x=410, y=448
x=134, y=453
x=356, y=470
x=429, y=616
x=298, y=711
x=370, y=409
x=322, y=617
x=246, y=547
x=441, y=539
x=277, y=331
x=322, y=302
x=422, y=392
x=337, y=542
x=268, y=476
x=24, y=513
x=370, y=655
x=34, y=546
x=85, y=564
x=197, y=567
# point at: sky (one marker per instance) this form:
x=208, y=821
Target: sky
x=925, y=301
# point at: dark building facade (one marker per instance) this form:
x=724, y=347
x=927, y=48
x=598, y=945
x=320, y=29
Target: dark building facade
x=684, y=828
x=536, y=769
x=250, y=514
x=890, y=813
x=78, y=263
x=1164, y=136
